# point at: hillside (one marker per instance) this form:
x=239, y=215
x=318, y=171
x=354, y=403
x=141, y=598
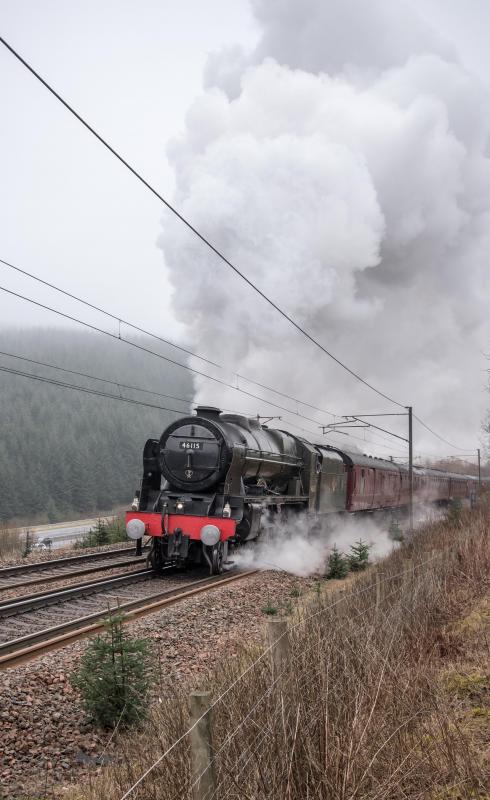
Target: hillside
x=63, y=452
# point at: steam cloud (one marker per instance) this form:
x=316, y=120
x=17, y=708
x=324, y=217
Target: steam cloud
x=343, y=167
x=292, y=546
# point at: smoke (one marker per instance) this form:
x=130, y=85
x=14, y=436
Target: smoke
x=297, y=545
x=343, y=166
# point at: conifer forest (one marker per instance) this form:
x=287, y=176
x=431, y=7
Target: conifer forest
x=65, y=453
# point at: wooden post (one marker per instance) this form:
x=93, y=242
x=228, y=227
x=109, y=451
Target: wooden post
x=378, y=589
x=278, y=640
x=202, y=765
x=408, y=578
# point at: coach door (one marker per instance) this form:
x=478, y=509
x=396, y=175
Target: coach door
x=370, y=486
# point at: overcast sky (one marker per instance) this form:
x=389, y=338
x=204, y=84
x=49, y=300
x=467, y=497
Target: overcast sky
x=69, y=211
x=73, y=215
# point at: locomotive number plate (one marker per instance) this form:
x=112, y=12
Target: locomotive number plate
x=190, y=445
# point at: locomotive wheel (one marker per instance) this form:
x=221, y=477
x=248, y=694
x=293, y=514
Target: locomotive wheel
x=217, y=559
x=155, y=556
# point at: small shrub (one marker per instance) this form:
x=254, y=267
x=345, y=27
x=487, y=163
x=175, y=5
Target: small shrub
x=359, y=556
x=394, y=531
x=10, y=542
x=27, y=544
x=288, y=608
x=269, y=609
x=337, y=566
x=114, y=677
x=455, y=509
x=295, y=592
x=104, y=532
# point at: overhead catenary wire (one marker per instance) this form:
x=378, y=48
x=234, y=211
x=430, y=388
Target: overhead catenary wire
x=119, y=384
x=147, y=350
x=194, y=230
x=121, y=320
x=296, y=400
x=438, y=436
x=427, y=427
x=87, y=390
x=121, y=338
x=122, y=385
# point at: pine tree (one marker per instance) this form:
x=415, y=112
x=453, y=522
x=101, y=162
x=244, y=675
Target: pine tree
x=100, y=533
x=114, y=677
x=28, y=544
x=455, y=509
x=359, y=556
x=394, y=531
x=82, y=452
x=337, y=566
x=51, y=511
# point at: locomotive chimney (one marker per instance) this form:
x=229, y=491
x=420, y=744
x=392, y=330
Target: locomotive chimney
x=208, y=412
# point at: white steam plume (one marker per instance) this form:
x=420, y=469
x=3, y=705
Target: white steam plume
x=298, y=546
x=343, y=167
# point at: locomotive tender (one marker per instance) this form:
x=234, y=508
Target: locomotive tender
x=210, y=478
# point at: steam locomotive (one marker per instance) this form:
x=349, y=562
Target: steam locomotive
x=210, y=478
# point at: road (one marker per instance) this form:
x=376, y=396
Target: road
x=62, y=533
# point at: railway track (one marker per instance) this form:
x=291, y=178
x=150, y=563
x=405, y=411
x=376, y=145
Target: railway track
x=29, y=613
x=24, y=648
x=74, y=566
x=20, y=605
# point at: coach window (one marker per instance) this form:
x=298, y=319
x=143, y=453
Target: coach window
x=362, y=481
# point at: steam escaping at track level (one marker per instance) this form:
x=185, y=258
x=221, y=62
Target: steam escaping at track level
x=298, y=547
x=346, y=173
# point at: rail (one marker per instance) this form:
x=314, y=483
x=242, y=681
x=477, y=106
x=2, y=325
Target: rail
x=29, y=647
x=21, y=569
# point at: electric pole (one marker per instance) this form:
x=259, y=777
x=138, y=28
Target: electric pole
x=410, y=468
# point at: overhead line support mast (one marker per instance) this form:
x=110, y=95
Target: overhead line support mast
x=350, y=422
x=410, y=468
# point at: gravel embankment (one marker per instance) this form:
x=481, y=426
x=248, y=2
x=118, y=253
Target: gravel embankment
x=45, y=742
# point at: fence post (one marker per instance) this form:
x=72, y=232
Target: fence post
x=409, y=580
x=378, y=589
x=202, y=766
x=278, y=640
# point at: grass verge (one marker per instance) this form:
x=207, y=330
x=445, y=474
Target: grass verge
x=372, y=703
x=11, y=542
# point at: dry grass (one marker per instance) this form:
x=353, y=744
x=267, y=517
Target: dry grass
x=360, y=711
x=11, y=543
